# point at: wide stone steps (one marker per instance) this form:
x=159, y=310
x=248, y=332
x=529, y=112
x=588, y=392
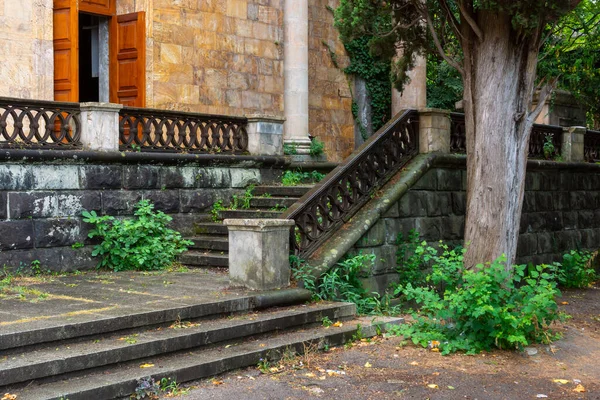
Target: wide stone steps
x=196, y=363
x=96, y=351
x=272, y=202
x=211, y=243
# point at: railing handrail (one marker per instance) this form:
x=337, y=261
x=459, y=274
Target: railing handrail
x=179, y=114
x=344, y=168
x=40, y=103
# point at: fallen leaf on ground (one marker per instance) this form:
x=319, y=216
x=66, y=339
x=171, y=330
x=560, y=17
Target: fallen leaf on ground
x=451, y=387
x=8, y=396
x=338, y=324
x=414, y=363
x=433, y=386
x=310, y=375
x=216, y=382
x=579, y=389
x=368, y=365
x=561, y=381
x=147, y=365
x=564, y=303
x=262, y=345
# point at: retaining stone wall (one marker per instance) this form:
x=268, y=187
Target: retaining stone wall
x=561, y=211
x=41, y=204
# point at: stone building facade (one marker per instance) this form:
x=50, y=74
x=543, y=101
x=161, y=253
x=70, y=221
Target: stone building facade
x=208, y=56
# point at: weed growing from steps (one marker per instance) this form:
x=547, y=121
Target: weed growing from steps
x=343, y=283
x=295, y=178
x=148, y=388
x=317, y=147
x=141, y=243
x=238, y=202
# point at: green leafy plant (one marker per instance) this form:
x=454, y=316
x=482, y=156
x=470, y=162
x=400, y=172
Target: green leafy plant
x=289, y=149
x=171, y=387
x=140, y=243
x=295, y=178
x=482, y=308
x=576, y=271
x=326, y=322
x=77, y=245
x=317, y=147
x=216, y=209
x=243, y=201
x=548, y=147
x=263, y=365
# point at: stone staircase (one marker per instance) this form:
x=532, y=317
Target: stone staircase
x=211, y=243
x=106, y=358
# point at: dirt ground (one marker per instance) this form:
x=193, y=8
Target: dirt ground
x=386, y=369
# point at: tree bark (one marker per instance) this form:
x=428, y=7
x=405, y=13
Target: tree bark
x=499, y=80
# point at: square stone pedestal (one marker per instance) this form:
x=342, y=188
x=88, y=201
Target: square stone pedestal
x=259, y=252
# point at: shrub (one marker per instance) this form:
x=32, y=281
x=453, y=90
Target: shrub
x=317, y=148
x=575, y=271
x=482, y=308
x=140, y=243
x=343, y=283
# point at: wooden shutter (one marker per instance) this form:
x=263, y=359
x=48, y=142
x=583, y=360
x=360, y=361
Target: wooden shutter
x=128, y=60
x=102, y=7
x=66, y=46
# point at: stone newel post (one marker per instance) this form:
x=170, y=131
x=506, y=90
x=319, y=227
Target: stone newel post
x=100, y=126
x=295, y=68
x=259, y=252
x=434, y=130
x=265, y=135
x=572, y=144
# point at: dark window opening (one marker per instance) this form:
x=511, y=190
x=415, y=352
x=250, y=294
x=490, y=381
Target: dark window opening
x=89, y=58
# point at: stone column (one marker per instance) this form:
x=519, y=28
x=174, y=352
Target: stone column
x=259, y=252
x=573, y=144
x=265, y=135
x=100, y=126
x=295, y=69
x=415, y=93
x=434, y=130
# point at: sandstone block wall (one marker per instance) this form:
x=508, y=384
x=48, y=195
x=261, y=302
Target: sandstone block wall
x=27, y=69
x=330, y=98
x=561, y=211
x=41, y=204
x=218, y=57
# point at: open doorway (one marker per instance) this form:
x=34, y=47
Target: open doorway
x=93, y=58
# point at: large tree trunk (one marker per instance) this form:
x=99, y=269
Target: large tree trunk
x=499, y=77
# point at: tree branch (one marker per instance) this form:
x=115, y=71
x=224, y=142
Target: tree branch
x=545, y=93
x=453, y=21
x=467, y=16
x=438, y=45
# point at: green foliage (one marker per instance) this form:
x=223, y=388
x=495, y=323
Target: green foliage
x=217, y=207
x=343, y=283
x=243, y=201
x=317, y=147
x=140, y=243
x=289, y=149
x=444, y=84
x=376, y=74
x=295, y=178
x=475, y=310
x=571, y=55
x=575, y=271
x=548, y=147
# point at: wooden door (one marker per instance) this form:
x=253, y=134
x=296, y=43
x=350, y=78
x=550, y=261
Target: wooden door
x=102, y=7
x=66, y=47
x=128, y=59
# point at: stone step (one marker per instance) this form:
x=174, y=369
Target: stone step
x=132, y=318
x=211, y=228
x=98, y=351
x=210, y=242
x=191, y=364
x=270, y=202
x=204, y=258
x=282, y=191
x=250, y=214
